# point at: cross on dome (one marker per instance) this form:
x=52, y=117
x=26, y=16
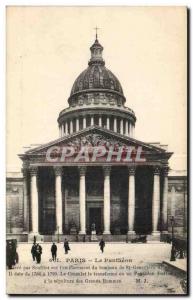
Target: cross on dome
x=96, y=28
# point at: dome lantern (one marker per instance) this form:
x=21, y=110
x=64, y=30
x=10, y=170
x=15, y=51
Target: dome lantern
x=96, y=53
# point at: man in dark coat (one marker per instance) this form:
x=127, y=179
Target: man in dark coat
x=66, y=246
x=54, y=251
x=33, y=251
x=102, y=245
x=38, y=253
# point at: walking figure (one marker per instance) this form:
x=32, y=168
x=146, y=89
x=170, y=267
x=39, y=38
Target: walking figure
x=33, y=251
x=54, y=251
x=66, y=246
x=102, y=245
x=38, y=253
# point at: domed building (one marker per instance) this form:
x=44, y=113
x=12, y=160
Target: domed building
x=96, y=178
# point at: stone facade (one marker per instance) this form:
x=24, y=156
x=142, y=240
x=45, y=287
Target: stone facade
x=177, y=206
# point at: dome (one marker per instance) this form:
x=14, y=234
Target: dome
x=96, y=76
x=96, y=79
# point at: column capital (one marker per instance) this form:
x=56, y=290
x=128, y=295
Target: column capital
x=156, y=170
x=107, y=170
x=131, y=170
x=58, y=171
x=82, y=171
x=165, y=170
x=25, y=164
x=33, y=170
x=24, y=171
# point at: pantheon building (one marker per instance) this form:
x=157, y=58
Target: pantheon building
x=96, y=172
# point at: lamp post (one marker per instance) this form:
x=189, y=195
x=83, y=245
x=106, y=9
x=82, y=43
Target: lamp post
x=172, y=258
x=58, y=234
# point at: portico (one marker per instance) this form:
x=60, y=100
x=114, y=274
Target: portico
x=65, y=195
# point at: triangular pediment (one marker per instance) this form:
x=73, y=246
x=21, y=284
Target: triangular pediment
x=96, y=137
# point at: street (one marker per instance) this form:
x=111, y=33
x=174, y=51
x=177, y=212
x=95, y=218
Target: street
x=121, y=269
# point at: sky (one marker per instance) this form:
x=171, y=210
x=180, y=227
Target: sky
x=48, y=47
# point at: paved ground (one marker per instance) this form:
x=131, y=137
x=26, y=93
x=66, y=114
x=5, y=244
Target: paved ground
x=121, y=269
x=180, y=264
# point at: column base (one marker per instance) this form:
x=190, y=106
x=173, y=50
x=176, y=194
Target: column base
x=165, y=236
x=155, y=233
x=130, y=235
x=106, y=232
x=39, y=238
x=82, y=233
x=131, y=232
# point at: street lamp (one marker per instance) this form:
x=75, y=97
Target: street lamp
x=58, y=234
x=173, y=257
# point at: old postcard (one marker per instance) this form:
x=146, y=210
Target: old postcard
x=96, y=150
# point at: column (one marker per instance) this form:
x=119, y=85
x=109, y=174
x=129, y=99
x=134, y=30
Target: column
x=25, y=201
x=131, y=130
x=115, y=124
x=121, y=126
x=82, y=200
x=126, y=127
x=58, y=197
x=71, y=126
x=165, y=201
x=77, y=125
x=156, y=201
x=100, y=121
x=63, y=129
x=84, y=122
x=34, y=202
x=108, y=123
x=107, y=204
x=133, y=134
x=66, y=127
x=131, y=201
x=91, y=120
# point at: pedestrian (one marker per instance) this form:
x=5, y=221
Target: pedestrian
x=33, y=251
x=54, y=251
x=38, y=253
x=102, y=245
x=66, y=246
